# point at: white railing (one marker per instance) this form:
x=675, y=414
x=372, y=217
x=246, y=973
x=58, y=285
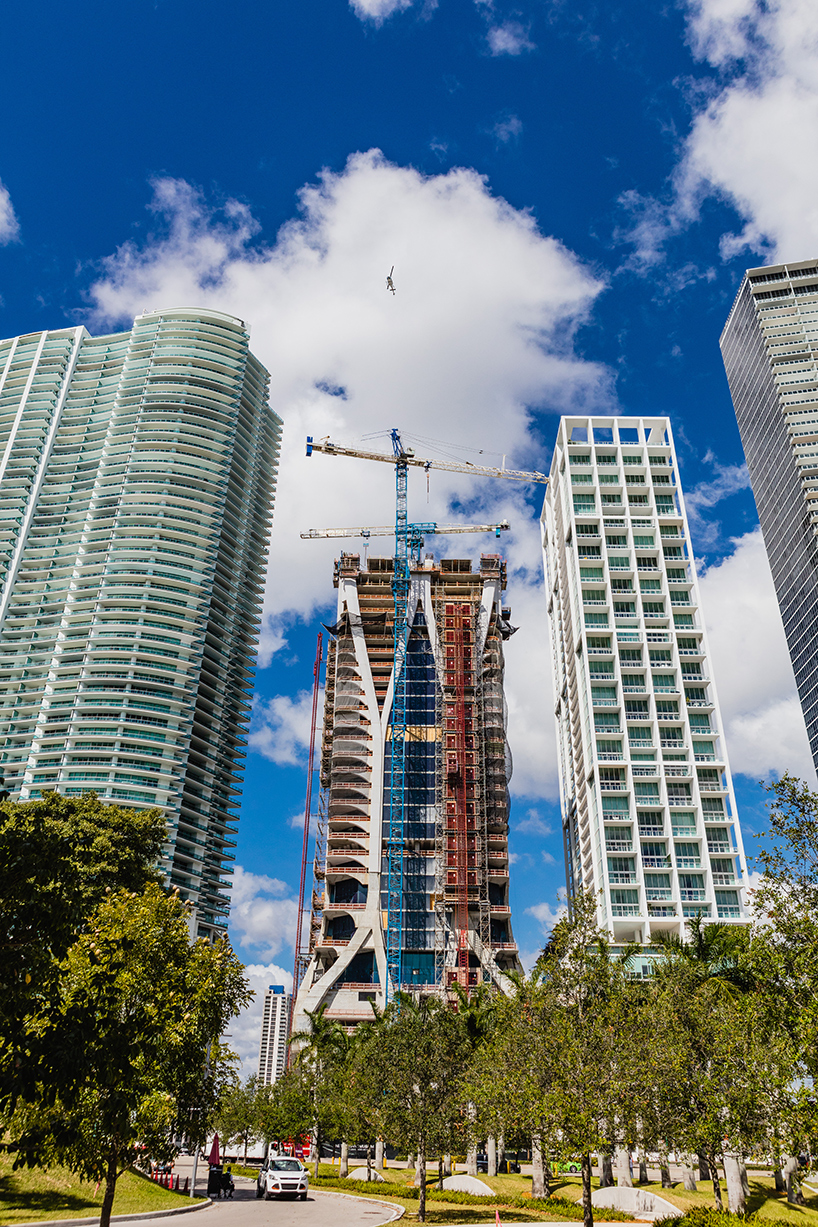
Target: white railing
x=692, y=896
x=655, y=895
x=647, y=832
x=625, y=909
x=688, y=862
x=724, y=879
x=656, y=862
x=622, y=879
x=710, y=787
x=705, y=758
x=611, y=786
x=729, y=913
x=677, y=770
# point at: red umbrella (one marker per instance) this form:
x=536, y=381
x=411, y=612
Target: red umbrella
x=213, y=1158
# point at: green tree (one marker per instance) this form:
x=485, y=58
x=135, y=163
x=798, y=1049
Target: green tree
x=237, y=1116
x=133, y=1027
x=412, y=1069
x=284, y=1109
x=58, y=857
x=320, y=1054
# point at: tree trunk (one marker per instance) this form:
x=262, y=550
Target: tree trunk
x=587, y=1204
x=110, y=1189
x=421, y=1169
x=343, y=1167
x=491, y=1156
x=704, y=1167
x=623, y=1168
x=538, y=1178
x=440, y=1173
x=447, y=1166
x=714, y=1175
x=368, y=1161
x=745, y=1179
x=501, y=1151
x=317, y=1151
x=664, y=1170
x=780, y=1186
x=605, y=1171
x=471, y=1160
x=643, y=1166
x=736, y=1203
x=688, y=1175
x=790, y=1175
x=379, y=1154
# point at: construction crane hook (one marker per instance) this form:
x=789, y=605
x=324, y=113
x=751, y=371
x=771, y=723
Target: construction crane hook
x=390, y=285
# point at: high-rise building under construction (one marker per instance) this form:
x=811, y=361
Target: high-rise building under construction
x=649, y=815
x=455, y=922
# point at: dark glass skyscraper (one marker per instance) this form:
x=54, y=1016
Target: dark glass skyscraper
x=770, y=351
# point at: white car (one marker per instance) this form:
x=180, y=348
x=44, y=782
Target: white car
x=282, y=1177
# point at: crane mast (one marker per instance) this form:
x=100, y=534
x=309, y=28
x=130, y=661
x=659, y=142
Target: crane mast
x=408, y=543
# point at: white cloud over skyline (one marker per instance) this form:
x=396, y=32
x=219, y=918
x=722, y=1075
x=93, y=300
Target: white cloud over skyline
x=263, y=915
x=477, y=342
x=9, y=225
x=763, y=722
x=753, y=119
x=377, y=11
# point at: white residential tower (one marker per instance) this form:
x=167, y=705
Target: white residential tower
x=649, y=816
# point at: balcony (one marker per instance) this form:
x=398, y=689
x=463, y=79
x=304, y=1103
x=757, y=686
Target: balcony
x=634, y=689
x=724, y=879
x=648, y=831
x=625, y=909
x=600, y=651
x=652, y=770
x=707, y=786
x=678, y=771
x=614, y=848
x=656, y=912
x=612, y=786
x=705, y=758
x=692, y=896
x=640, y=745
x=729, y=913
x=656, y=862
x=688, y=862
x=622, y=879
x=699, y=703
x=671, y=745
x=604, y=702
x=610, y=758
x=656, y=895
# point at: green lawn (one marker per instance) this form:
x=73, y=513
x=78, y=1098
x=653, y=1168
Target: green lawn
x=37, y=1194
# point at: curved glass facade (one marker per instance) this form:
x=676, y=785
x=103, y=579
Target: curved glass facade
x=136, y=485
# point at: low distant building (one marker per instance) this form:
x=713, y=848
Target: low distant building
x=272, y=1055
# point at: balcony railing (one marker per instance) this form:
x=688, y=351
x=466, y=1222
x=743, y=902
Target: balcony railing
x=729, y=913
x=625, y=909
x=658, y=896
x=688, y=862
x=718, y=848
x=616, y=848
x=699, y=703
x=653, y=910
x=622, y=879
x=679, y=802
x=612, y=786
x=724, y=879
x=693, y=896
x=650, y=831
x=641, y=745
x=657, y=637
x=656, y=862
x=610, y=758
x=600, y=651
x=705, y=758
x=691, y=652
x=645, y=770
x=677, y=771
x=710, y=786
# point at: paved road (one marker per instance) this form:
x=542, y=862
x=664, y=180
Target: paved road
x=321, y=1209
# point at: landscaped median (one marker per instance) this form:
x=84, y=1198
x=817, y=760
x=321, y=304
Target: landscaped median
x=449, y=1207
x=32, y=1195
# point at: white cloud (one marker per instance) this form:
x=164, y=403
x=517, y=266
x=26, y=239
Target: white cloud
x=751, y=665
x=280, y=727
x=509, y=38
x=477, y=340
x=377, y=11
x=727, y=479
x=507, y=129
x=752, y=133
x=9, y=225
x=244, y=1032
x=262, y=916
x=547, y=915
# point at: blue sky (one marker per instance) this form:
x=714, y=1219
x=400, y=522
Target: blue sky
x=570, y=194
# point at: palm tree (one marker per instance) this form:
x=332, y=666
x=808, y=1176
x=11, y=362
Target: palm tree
x=321, y=1053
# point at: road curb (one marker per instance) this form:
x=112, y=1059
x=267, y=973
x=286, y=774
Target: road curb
x=117, y=1218
x=391, y=1205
